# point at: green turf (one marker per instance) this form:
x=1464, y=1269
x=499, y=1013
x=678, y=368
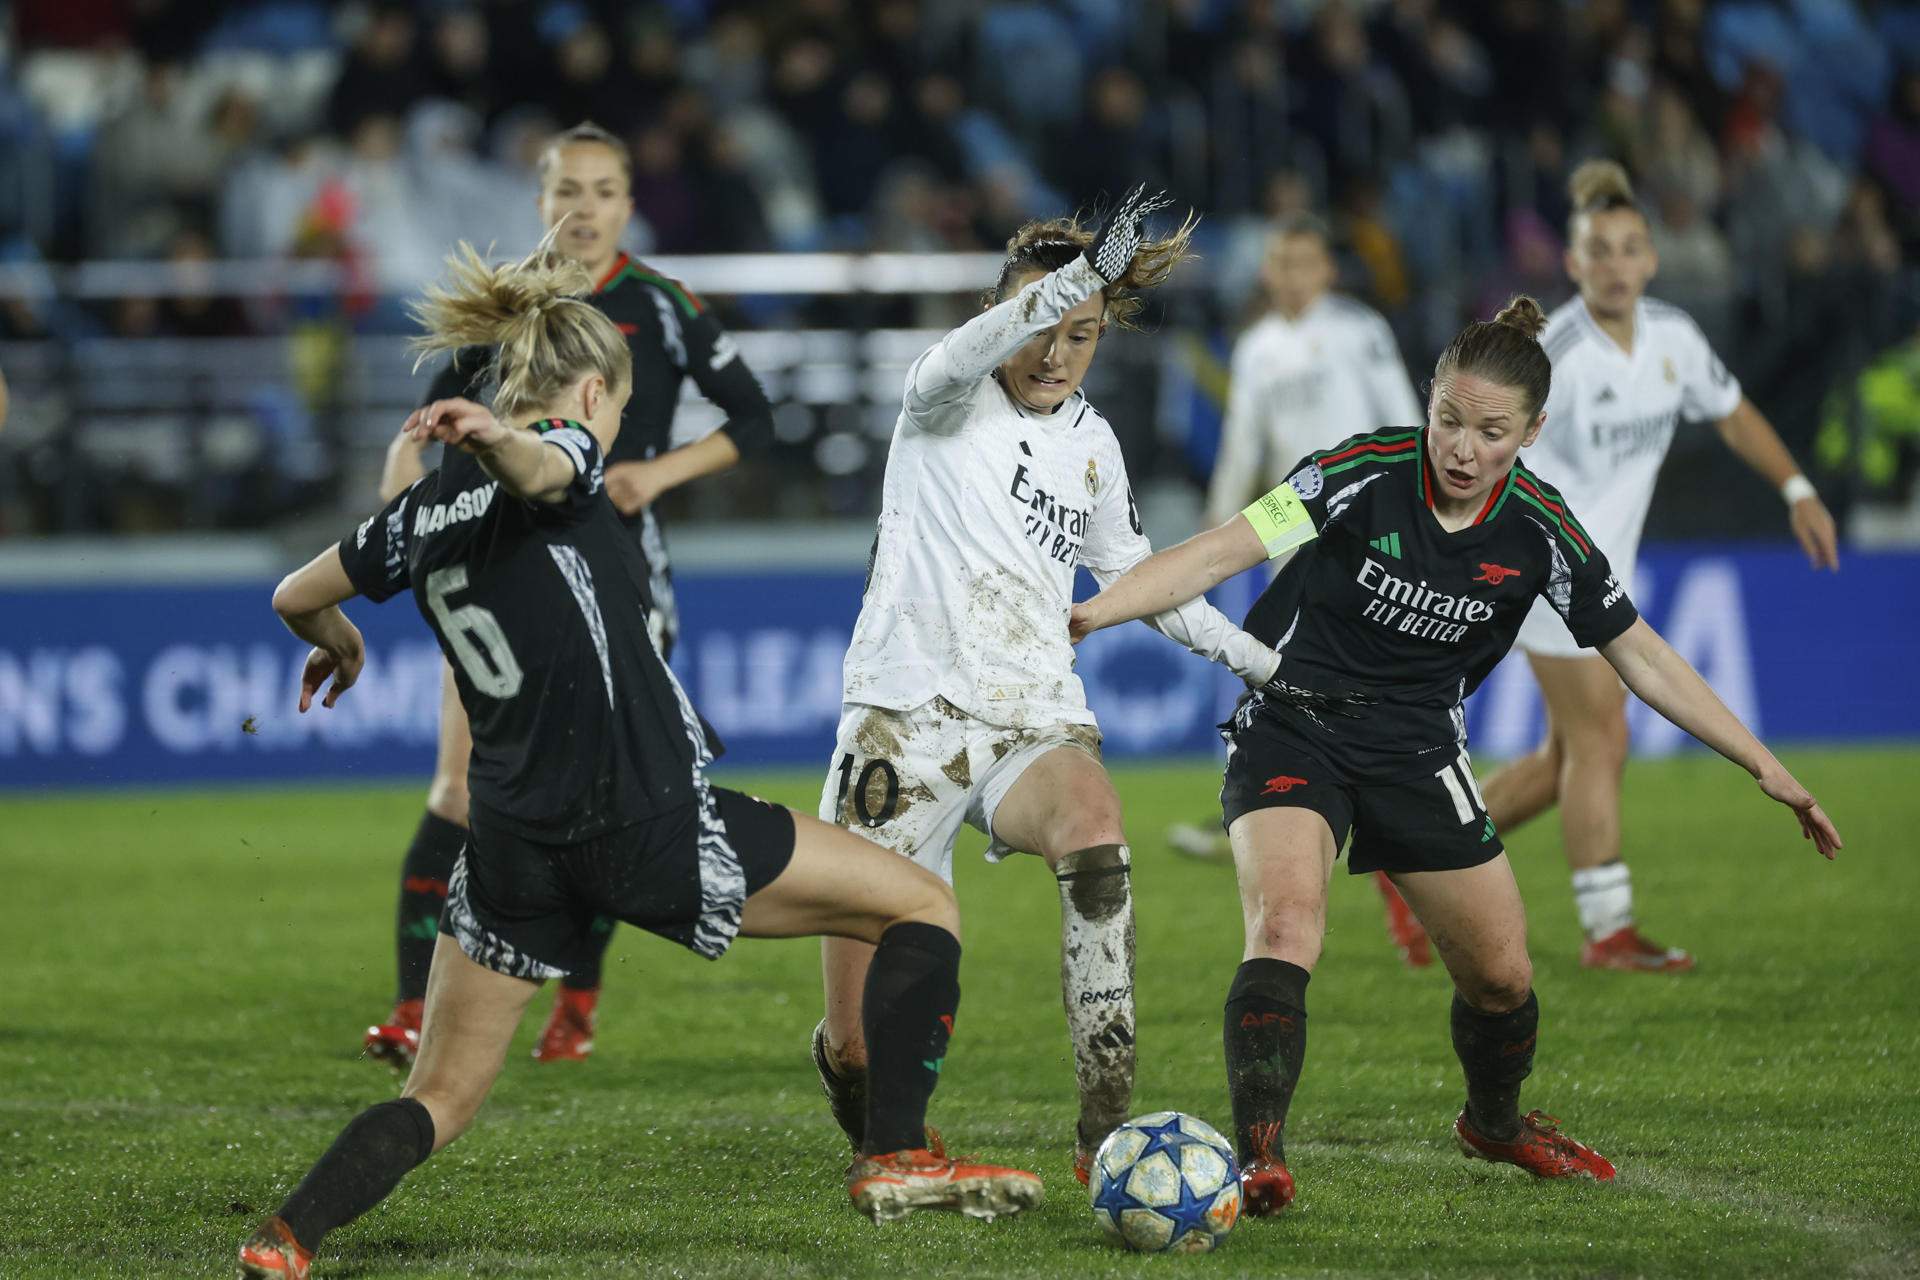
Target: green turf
x=188, y=975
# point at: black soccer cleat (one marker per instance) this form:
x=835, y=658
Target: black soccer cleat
x=846, y=1094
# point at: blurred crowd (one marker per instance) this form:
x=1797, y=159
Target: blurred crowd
x=1776, y=143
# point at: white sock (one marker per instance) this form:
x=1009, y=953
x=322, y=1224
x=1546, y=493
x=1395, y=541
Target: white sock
x=1096, y=981
x=1604, y=897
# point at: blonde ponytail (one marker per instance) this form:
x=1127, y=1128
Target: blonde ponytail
x=543, y=333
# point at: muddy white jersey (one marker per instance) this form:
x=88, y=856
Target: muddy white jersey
x=1299, y=385
x=1611, y=414
x=988, y=508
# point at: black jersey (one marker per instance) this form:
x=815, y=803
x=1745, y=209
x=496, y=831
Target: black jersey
x=1385, y=622
x=578, y=727
x=672, y=336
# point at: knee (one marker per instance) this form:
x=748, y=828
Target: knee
x=1083, y=821
x=447, y=797
x=1283, y=935
x=451, y=1106
x=1599, y=742
x=931, y=901
x=1499, y=989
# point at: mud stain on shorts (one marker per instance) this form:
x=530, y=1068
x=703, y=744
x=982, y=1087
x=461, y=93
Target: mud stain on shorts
x=959, y=770
x=878, y=737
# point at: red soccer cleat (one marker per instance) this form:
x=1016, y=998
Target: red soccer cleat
x=271, y=1253
x=1403, y=927
x=397, y=1040
x=1633, y=951
x=1541, y=1149
x=1083, y=1164
x=568, y=1036
x=889, y=1187
x=1265, y=1188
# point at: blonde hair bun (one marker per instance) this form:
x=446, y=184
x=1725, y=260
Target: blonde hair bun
x=1599, y=184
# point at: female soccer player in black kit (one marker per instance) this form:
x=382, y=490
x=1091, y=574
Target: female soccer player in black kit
x=1416, y=555
x=589, y=796
x=585, y=185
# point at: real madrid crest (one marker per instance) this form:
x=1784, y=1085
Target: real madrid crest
x=1093, y=477
x=1667, y=366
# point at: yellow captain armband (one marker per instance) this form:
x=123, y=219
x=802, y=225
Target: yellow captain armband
x=1281, y=520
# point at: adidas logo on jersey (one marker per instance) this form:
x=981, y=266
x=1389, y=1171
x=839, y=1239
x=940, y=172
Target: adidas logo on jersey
x=1387, y=544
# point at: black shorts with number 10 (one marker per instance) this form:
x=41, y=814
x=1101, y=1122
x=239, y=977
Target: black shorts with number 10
x=1434, y=822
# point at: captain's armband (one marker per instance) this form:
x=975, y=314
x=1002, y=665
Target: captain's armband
x=1281, y=520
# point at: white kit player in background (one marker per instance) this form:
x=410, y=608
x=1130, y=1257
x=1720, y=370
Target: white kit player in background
x=961, y=701
x=1626, y=371
x=1317, y=367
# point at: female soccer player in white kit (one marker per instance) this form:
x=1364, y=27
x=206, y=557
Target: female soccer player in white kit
x=1626, y=370
x=961, y=702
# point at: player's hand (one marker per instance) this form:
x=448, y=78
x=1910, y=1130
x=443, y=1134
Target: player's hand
x=344, y=666
x=1083, y=621
x=1118, y=239
x=1813, y=526
x=633, y=486
x=457, y=422
x=1814, y=823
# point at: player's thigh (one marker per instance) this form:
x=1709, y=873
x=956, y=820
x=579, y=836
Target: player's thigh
x=1479, y=925
x=842, y=884
x=1586, y=703
x=447, y=796
x=901, y=779
x=1061, y=802
x=471, y=1015
x=1283, y=859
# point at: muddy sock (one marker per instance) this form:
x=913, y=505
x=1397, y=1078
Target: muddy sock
x=364, y=1164
x=423, y=892
x=1266, y=1042
x=913, y=989
x=1096, y=982
x=1496, y=1052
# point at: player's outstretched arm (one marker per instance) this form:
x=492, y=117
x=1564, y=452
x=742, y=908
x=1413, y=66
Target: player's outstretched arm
x=1748, y=433
x=1168, y=579
x=1665, y=681
x=515, y=456
x=308, y=600
x=950, y=370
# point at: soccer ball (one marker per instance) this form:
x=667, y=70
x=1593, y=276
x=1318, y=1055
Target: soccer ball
x=1166, y=1182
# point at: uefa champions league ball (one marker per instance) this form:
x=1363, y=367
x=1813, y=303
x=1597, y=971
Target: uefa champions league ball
x=1166, y=1182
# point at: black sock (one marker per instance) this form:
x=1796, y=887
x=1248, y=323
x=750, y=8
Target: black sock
x=586, y=975
x=423, y=892
x=364, y=1164
x=1266, y=1040
x=1496, y=1052
x=913, y=989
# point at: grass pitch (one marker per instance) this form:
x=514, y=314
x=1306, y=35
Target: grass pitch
x=189, y=974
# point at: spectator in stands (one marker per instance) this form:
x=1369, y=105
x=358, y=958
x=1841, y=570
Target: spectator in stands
x=1120, y=141
x=160, y=160
x=381, y=75
x=1893, y=154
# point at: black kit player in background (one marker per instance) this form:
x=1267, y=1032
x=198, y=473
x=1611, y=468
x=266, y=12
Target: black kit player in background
x=585, y=175
x=589, y=796
x=1419, y=553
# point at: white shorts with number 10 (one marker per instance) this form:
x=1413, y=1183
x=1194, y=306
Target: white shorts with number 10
x=907, y=780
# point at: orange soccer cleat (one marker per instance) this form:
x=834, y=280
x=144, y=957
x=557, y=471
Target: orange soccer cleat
x=397, y=1040
x=568, y=1036
x=891, y=1186
x=1403, y=927
x=271, y=1253
x=1541, y=1149
x=1633, y=951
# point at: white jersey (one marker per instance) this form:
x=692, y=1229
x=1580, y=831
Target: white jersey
x=1611, y=417
x=988, y=507
x=1300, y=385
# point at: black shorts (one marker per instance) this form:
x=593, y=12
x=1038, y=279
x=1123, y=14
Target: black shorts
x=526, y=909
x=1431, y=823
